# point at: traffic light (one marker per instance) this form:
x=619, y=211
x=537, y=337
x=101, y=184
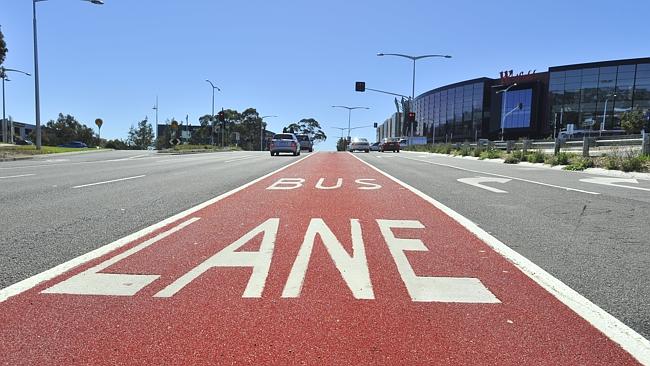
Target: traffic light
x=411, y=117
x=221, y=116
x=360, y=86
x=374, y=125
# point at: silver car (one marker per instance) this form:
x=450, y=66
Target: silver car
x=360, y=144
x=305, y=142
x=284, y=142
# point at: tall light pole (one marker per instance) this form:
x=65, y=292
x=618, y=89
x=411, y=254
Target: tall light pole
x=349, y=113
x=602, y=125
x=503, y=109
x=414, y=59
x=212, y=115
x=3, y=76
x=155, y=107
x=262, y=131
x=37, y=97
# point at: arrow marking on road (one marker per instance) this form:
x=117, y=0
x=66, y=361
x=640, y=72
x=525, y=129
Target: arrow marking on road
x=476, y=182
x=606, y=181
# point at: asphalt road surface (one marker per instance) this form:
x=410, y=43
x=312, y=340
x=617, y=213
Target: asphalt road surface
x=593, y=237
x=52, y=208
x=335, y=258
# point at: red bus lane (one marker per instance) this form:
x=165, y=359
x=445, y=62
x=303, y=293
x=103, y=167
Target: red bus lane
x=327, y=261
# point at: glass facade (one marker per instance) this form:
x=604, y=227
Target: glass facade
x=453, y=111
x=519, y=118
x=587, y=96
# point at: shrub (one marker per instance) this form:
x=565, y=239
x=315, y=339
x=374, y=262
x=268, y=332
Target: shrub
x=580, y=164
x=511, y=159
x=519, y=155
x=476, y=152
x=612, y=162
x=491, y=154
x=633, y=164
x=465, y=150
x=536, y=157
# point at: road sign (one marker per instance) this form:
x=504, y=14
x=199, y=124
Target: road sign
x=406, y=280
x=174, y=142
x=174, y=125
x=99, y=122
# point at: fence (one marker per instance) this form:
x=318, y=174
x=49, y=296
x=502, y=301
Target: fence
x=588, y=146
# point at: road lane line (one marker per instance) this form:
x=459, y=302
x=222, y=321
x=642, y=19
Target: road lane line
x=109, y=181
x=31, y=282
x=503, y=176
x=17, y=176
x=614, y=329
x=239, y=159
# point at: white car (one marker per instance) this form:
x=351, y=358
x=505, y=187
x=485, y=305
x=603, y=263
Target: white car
x=374, y=146
x=359, y=144
x=403, y=143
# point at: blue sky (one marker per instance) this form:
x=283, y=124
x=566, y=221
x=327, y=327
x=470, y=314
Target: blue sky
x=293, y=59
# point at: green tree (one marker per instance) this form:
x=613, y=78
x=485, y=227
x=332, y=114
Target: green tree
x=307, y=126
x=633, y=121
x=142, y=136
x=201, y=135
x=341, y=144
x=116, y=144
x=3, y=48
x=65, y=129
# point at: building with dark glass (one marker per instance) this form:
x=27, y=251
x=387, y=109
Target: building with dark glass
x=531, y=104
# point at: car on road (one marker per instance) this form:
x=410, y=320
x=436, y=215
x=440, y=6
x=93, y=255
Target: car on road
x=74, y=144
x=19, y=141
x=403, y=143
x=374, y=146
x=389, y=144
x=305, y=142
x=359, y=144
x=284, y=142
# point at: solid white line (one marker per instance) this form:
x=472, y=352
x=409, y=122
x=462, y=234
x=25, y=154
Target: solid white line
x=614, y=329
x=239, y=159
x=109, y=181
x=504, y=176
x=17, y=176
x=31, y=282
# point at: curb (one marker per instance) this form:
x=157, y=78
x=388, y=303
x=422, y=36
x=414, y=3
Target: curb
x=591, y=171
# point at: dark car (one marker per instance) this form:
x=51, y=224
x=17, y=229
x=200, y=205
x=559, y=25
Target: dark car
x=389, y=144
x=284, y=142
x=19, y=141
x=74, y=144
x=305, y=142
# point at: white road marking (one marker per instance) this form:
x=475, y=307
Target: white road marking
x=606, y=181
x=241, y=158
x=91, y=282
x=476, y=182
x=614, y=329
x=109, y=181
x=17, y=176
x=31, y=282
x=504, y=176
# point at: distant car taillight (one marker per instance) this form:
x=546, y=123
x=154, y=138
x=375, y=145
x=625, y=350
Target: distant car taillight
x=293, y=144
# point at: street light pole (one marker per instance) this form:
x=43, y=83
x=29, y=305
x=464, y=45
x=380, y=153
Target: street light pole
x=212, y=115
x=262, y=131
x=602, y=125
x=349, y=113
x=414, y=59
x=3, y=76
x=37, y=97
x=503, y=109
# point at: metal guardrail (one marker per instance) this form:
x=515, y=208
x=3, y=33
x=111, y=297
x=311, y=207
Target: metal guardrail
x=599, y=144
